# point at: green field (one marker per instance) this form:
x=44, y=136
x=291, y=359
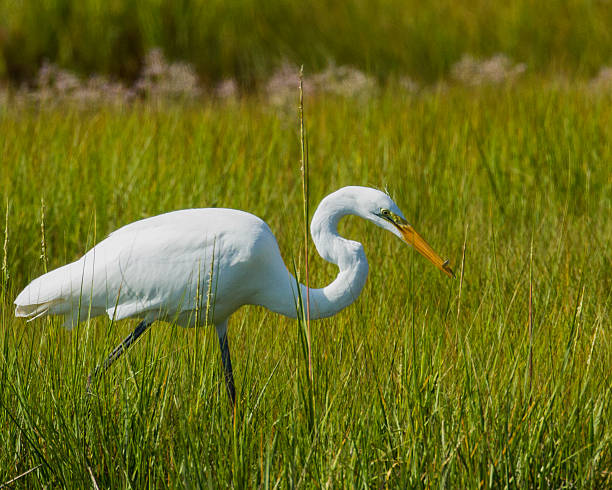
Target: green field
x=423, y=382
x=248, y=39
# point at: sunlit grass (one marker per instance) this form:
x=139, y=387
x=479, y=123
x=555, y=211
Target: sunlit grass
x=416, y=384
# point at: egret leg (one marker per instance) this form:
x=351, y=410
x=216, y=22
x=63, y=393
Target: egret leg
x=120, y=349
x=227, y=362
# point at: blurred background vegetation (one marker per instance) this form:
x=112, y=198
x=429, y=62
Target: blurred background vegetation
x=247, y=40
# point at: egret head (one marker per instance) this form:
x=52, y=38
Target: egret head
x=379, y=208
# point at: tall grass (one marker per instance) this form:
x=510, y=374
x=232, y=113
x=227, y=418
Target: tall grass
x=248, y=39
x=424, y=381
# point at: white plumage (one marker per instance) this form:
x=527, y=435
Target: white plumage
x=159, y=267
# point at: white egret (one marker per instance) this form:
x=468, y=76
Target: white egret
x=198, y=266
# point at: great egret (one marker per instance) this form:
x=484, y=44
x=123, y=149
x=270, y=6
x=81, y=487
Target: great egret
x=198, y=266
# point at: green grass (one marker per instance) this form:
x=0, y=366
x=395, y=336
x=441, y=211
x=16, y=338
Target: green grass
x=424, y=381
x=248, y=39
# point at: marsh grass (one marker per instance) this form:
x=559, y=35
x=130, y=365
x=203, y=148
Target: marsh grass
x=248, y=40
x=424, y=381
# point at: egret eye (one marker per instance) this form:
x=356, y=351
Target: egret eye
x=386, y=213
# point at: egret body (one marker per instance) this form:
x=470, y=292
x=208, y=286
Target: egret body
x=198, y=266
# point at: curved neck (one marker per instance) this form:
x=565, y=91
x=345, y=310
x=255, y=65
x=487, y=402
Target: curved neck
x=348, y=255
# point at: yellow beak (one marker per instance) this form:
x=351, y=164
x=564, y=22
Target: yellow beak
x=411, y=237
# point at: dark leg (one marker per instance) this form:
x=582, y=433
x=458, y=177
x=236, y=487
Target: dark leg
x=227, y=365
x=120, y=349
